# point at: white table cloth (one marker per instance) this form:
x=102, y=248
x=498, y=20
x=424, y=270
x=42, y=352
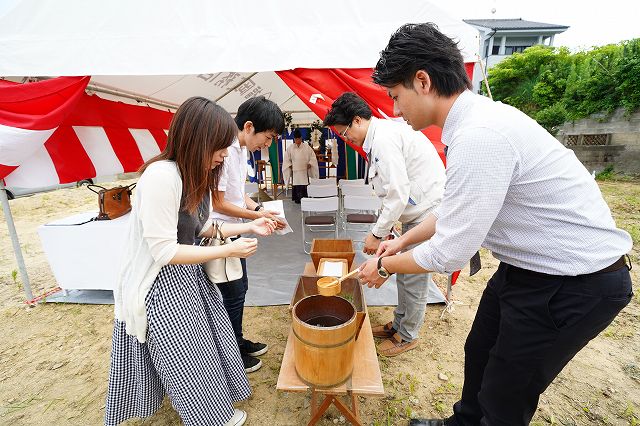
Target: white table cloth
x=85, y=256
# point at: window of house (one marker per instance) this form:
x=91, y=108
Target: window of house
x=509, y=50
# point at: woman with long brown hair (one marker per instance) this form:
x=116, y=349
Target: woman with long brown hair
x=171, y=332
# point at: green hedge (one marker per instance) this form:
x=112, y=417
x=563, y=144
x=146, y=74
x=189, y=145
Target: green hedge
x=553, y=85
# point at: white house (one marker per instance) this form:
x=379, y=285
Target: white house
x=500, y=38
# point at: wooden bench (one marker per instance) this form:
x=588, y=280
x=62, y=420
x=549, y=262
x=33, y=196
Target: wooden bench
x=366, y=379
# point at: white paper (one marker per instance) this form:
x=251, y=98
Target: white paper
x=277, y=206
x=331, y=269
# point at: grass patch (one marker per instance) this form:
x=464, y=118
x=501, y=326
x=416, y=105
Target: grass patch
x=618, y=332
x=606, y=174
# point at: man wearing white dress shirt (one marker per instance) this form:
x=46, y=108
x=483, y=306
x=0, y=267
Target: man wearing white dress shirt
x=407, y=174
x=515, y=190
x=259, y=121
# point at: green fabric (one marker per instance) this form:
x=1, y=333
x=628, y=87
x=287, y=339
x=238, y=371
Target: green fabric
x=351, y=171
x=275, y=162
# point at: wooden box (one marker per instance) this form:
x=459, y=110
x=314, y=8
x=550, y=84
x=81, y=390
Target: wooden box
x=344, y=270
x=351, y=290
x=336, y=249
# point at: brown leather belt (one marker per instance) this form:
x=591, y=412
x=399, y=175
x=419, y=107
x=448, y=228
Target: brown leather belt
x=615, y=266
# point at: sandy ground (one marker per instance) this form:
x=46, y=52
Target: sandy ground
x=54, y=358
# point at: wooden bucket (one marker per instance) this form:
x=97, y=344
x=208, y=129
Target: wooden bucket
x=329, y=286
x=324, y=330
x=338, y=249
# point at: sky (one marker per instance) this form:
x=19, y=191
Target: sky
x=592, y=23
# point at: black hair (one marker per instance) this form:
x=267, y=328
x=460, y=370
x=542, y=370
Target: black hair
x=297, y=134
x=263, y=113
x=415, y=47
x=346, y=108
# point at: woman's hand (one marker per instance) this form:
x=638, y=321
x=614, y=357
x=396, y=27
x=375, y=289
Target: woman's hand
x=263, y=226
x=242, y=247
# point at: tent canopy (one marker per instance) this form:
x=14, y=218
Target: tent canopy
x=163, y=52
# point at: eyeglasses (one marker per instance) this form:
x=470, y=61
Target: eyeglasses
x=344, y=133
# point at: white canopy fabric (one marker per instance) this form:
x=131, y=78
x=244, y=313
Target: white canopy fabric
x=165, y=51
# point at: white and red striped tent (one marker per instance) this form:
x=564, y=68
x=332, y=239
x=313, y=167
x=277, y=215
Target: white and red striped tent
x=146, y=57
x=160, y=53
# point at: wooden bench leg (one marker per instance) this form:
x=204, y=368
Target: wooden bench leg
x=323, y=407
x=352, y=416
x=355, y=404
x=314, y=401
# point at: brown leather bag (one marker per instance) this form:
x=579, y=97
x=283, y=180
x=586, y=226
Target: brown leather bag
x=113, y=202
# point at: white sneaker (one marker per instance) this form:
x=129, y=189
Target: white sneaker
x=238, y=419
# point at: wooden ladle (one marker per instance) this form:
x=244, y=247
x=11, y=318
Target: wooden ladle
x=330, y=286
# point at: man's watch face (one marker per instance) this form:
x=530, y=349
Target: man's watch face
x=383, y=273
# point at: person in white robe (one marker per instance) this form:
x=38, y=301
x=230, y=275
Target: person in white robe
x=299, y=163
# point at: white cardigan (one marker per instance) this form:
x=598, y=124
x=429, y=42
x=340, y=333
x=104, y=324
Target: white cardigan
x=152, y=242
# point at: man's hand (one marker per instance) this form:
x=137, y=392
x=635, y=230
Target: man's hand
x=263, y=226
x=369, y=274
x=371, y=244
x=272, y=214
x=389, y=247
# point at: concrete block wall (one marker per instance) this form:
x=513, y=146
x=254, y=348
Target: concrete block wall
x=624, y=149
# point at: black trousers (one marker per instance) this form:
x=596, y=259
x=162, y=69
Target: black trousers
x=233, y=298
x=527, y=328
x=299, y=192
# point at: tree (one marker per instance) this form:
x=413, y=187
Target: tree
x=553, y=85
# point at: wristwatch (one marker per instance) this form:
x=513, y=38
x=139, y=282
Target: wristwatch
x=376, y=237
x=382, y=271
x=257, y=209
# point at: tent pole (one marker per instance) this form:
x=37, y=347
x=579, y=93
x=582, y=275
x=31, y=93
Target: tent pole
x=26, y=285
x=484, y=78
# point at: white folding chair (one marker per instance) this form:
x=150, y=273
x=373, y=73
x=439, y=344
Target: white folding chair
x=326, y=222
x=364, y=210
x=344, y=182
x=357, y=190
x=327, y=181
x=321, y=191
x=360, y=190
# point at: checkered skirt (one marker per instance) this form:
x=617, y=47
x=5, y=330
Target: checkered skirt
x=190, y=353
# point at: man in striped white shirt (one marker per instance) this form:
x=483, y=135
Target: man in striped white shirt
x=515, y=190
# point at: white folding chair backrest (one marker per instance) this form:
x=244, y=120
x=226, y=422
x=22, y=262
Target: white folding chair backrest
x=318, y=191
x=371, y=203
x=344, y=182
x=329, y=204
x=328, y=209
x=328, y=181
x=357, y=190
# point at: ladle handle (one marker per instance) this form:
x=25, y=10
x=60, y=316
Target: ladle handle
x=349, y=275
